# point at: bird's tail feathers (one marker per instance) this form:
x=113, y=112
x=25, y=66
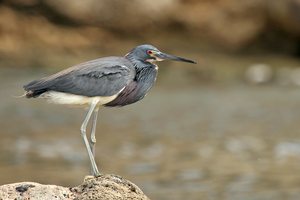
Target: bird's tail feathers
x=20, y=96
x=35, y=88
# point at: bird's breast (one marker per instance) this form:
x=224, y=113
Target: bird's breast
x=137, y=89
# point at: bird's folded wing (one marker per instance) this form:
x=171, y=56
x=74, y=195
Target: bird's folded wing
x=93, y=80
x=106, y=81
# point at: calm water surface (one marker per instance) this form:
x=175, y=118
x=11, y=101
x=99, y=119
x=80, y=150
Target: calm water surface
x=192, y=142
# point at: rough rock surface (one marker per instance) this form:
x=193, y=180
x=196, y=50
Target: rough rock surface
x=36, y=32
x=285, y=14
x=104, y=187
x=233, y=23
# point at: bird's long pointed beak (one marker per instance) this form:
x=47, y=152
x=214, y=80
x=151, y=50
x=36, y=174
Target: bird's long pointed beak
x=164, y=56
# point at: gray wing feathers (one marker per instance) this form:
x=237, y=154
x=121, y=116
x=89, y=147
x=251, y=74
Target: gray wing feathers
x=101, y=77
x=104, y=82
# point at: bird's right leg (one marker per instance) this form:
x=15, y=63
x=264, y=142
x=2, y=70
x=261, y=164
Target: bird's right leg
x=93, y=132
x=86, y=142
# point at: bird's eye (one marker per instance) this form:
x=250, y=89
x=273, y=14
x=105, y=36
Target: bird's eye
x=149, y=52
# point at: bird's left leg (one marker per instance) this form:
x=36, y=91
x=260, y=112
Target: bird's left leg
x=93, y=132
x=86, y=142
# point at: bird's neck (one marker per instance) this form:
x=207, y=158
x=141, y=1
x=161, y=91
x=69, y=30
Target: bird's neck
x=145, y=71
x=131, y=57
x=137, y=63
x=145, y=76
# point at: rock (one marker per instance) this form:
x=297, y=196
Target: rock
x=104, y=187
x=125, y=16
x=285, y=14
x=288, y=76
x=295, y=77
x=230, y=23
x=30, y=190
x=259, y=73
x=73, y=27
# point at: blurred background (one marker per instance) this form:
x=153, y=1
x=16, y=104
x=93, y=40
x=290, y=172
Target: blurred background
x=226, y=128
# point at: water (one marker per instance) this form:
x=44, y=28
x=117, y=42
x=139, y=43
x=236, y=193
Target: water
x=187, y=140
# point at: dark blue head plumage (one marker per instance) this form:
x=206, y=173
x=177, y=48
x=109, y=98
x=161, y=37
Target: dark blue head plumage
x=149, y=53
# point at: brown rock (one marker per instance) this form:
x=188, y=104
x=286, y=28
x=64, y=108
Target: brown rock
x=230, y=23
x=33, y=30
x=285, y=14
x=30, y=190
x=110, y=187
x=125, y=16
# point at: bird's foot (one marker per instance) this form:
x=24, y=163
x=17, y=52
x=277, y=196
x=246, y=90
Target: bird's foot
x=97, y=174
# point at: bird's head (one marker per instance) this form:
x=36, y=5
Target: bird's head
x=149, y=53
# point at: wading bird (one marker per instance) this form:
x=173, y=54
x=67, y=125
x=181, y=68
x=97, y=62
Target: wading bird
x=108, y=81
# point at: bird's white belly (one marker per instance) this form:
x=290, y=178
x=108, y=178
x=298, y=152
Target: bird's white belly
x=72, y=99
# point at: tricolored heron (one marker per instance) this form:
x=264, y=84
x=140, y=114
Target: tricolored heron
x=108, y=81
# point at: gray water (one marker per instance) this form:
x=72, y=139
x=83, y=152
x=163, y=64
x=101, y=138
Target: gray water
x=191, y=141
